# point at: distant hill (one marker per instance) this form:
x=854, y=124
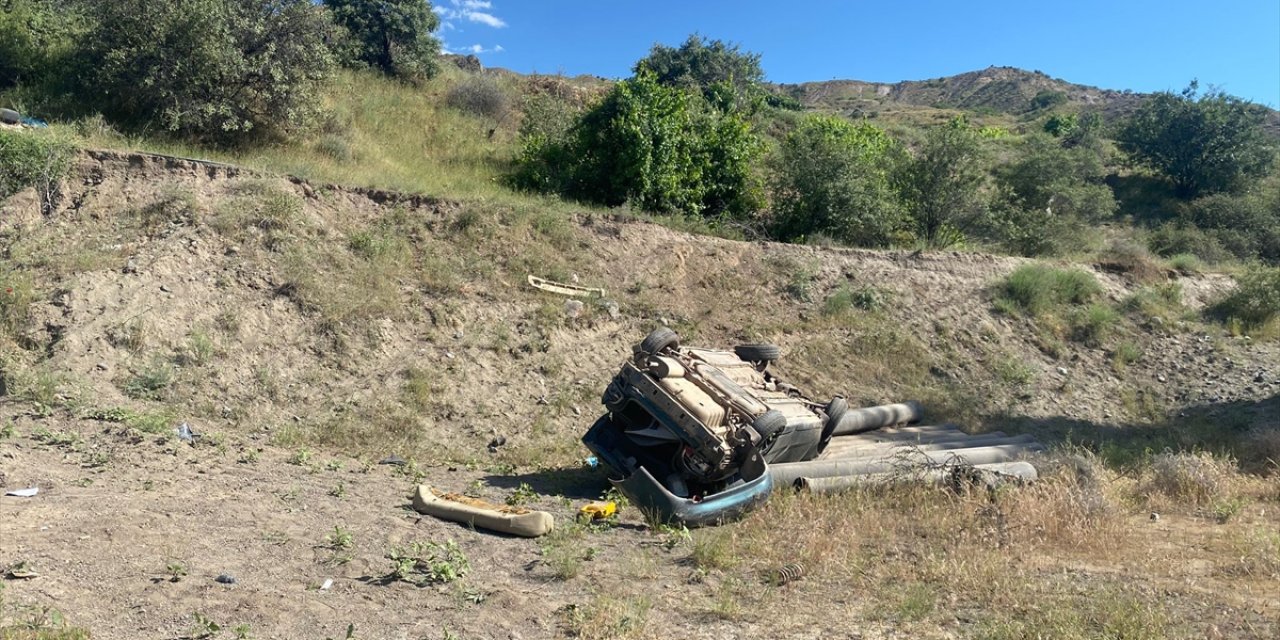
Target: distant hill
x=994, y=90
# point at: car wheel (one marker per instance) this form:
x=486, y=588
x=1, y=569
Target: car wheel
x=758, y=352
x=659, y=339
x=769, y=424
x=835, y=411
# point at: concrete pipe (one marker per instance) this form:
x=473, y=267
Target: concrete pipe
x=853, y=450
x=786, y=474
x=866, y=419
x=1023, y=471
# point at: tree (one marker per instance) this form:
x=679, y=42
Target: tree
x=700, y=63
x=35, y=37
x=832, y=177
x=940, y=183
x=1203, y=144
x=660, y=148
x=393, y=36
x=213, y=70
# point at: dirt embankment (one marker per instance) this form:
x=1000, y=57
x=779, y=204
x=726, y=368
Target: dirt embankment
x=307, y=332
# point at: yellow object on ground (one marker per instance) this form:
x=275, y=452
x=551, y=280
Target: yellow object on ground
x=598, y=511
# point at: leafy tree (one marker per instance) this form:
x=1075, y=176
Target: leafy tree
x=833, y=177
x=35, y=37
x=391, y=35
x=700, y=63
x=1203, y=144
x=660, y=148
x=1048, y=194
x=940, y=184
x=208, y=69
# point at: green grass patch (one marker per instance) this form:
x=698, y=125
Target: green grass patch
x=1254, y=305
x=1038, y=289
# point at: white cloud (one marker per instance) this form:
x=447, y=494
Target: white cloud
x=485, y=18
x=469, y=11
x=474, y=49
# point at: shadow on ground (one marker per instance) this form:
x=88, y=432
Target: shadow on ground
x=575, y=483
x=1230, y=428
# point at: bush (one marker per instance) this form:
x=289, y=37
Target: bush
x=212, y=70
x=1247, y=225
x=1131, y=259
x=1038, y=289
x=1093, y=324
x=1173, y=239
x=479, y=96
x=35, y=38
x=33, y=159
x=831, y=177
x=940, y=184
x=1198, y=477
x=658, y=148
x=1254, y=302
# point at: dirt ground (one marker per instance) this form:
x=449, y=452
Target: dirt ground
x=297, y=392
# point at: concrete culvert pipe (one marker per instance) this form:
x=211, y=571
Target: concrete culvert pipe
x=869, y=418
x=1021, y=471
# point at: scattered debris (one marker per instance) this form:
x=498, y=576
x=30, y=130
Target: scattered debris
x=478, y=513
x=496, y=442
x=598, y=511
x=393, y=459
x=15, y=119
x=565, y=289
x=786, y=574
x=225, y=578
x=328, y=584
x=185, y=433
x=23, y=493
x=21, y=571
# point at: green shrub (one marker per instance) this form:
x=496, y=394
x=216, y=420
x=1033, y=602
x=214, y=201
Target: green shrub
x=1038, y=289
x=1173, y=239
x=207, y=69
x=32, y=159
x=831, y=177
x=1254, y=302
x=1093, y=324
x=657, y=148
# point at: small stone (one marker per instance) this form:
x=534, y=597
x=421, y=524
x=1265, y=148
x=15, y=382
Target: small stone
x=225, y=578
x=101, y=366
x=1155, y=517
x=130, y=266
x=1160, y=377
x=1261, y=377
x=233, y=250
x=496, y=442
x=1062, y=371
x=573, y=308
x=165, y=288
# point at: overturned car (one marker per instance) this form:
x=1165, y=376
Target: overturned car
x=692, y=431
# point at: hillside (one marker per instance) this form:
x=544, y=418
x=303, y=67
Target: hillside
x=994, y=90
x=308, y=331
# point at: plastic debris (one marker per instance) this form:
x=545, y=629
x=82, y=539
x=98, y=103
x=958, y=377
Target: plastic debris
x=393, y=459
x=598, y=511
x=564, y=289
x=185, y=433
x=23, y=493
x=328, y=584
x=592, y=461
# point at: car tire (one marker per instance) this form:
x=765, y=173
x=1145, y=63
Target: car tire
x=769, y=424
x=835, y=411
x=659, y=339
x=758, y=352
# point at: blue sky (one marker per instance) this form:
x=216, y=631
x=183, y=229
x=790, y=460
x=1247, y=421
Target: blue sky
x=1141, y=45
